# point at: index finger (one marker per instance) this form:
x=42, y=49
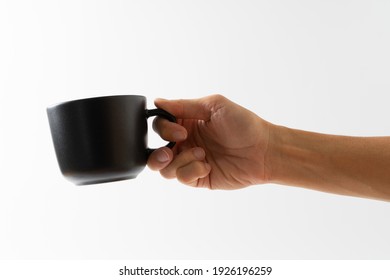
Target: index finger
x=186, y=108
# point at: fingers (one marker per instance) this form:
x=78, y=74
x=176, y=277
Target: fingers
x=160, y=158
x=182, y=159
x=169, y=131
x=187, y=167
x=192, y=172
x=200, y=109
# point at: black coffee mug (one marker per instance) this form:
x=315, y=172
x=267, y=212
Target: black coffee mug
x=102, y=139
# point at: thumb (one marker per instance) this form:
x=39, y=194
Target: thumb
x=187, y=108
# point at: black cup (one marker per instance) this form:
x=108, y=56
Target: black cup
x=102, y=139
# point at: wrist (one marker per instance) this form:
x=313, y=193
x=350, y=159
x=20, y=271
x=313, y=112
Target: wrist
x=272, y=155
x=291, y=156
x=299, y=158
x=265, y=152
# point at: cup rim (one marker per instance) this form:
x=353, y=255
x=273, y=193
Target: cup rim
x=94, y=98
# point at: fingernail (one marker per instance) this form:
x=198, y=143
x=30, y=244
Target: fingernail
x=179, y=136
x=199, y=153
x=162, y=156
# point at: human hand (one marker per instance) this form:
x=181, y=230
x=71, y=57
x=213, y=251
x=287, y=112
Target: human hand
x=220, y=145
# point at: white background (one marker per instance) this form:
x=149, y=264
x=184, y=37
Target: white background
x=315, y=65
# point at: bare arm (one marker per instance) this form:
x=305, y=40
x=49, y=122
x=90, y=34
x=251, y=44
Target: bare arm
x=357, y=166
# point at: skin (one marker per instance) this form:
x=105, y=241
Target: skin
x=221, y=145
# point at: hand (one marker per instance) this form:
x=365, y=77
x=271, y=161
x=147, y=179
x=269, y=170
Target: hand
x=220, y=145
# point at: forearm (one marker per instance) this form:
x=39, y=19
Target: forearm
x=357, y=166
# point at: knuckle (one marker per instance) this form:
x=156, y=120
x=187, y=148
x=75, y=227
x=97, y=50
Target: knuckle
x=190, y=173
x=187, y=180
x=183, y=167
x=167, y=173
x=218, y=97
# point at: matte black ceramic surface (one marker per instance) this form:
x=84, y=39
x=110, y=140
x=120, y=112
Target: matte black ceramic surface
x=102, y=139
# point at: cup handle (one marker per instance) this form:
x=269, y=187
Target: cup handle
x=164, y=114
